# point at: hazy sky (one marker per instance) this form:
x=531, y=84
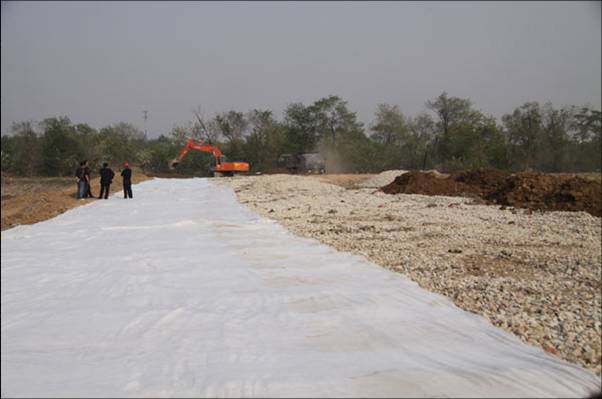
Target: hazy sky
x=101, y=63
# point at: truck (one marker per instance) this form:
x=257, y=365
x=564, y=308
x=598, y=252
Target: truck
x=303, y=162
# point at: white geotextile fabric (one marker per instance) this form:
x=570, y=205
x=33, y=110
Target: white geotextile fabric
x=183, y=291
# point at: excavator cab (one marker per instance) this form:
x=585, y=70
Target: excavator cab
x=218, y=167
x=218, y=161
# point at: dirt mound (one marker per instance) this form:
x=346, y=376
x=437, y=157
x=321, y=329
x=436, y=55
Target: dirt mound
x=428, y=183
x=481, y=179
x=533, y=190
x=549, y=192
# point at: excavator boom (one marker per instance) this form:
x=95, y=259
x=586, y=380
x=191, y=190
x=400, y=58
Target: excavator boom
x=192, y=145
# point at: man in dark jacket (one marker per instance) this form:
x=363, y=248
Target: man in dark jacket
x=87, y=172
x=106, y=178
x=126, y=174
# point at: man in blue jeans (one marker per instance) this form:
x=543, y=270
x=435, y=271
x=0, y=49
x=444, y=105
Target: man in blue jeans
x=82, y=186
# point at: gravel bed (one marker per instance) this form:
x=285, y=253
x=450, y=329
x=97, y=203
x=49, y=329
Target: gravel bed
x=537, y=275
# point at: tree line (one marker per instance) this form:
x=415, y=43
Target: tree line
x=450, y=134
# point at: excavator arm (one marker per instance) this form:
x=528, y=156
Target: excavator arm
x=192, y=145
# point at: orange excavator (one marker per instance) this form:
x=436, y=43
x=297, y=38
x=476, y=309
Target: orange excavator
x=219, y=165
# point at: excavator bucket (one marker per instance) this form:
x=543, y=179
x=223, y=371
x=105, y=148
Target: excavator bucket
x=172, y=164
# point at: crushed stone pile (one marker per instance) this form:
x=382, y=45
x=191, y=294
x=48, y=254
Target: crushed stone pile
x=532, y=190
x=381, y=179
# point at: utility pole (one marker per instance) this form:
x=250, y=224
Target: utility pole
x=145, y=112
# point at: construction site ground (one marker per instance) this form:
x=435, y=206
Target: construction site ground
x=185, y=292
x=534, y=273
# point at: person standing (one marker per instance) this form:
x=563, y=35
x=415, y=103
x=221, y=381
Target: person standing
x=106, y=178
x=81, y=181
x=87, y=172
x=126, y=174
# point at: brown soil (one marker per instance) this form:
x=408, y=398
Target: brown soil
x=28, y=200
x=532, y=190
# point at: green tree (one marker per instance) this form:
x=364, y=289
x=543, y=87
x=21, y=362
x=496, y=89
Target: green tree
x=333, y=119
x=524, y=131
x=121, y=142
x=390, y=126
x=301, y=130
x=61, y=150
x=356, y=153
x=93, y=146
x=319, y=124
x=265, y=142
x=231, y=125
x=454, y=115
x=555, y=128
x=202, y=130
x=341, y=138
x=22, y=155
x=178, y=135
x=585, y=151
x=7, y=151
x=460, y=132
x=588, y=124
x=477, y=146
x=451, y=111
x=157, y=155
x=422, y=135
